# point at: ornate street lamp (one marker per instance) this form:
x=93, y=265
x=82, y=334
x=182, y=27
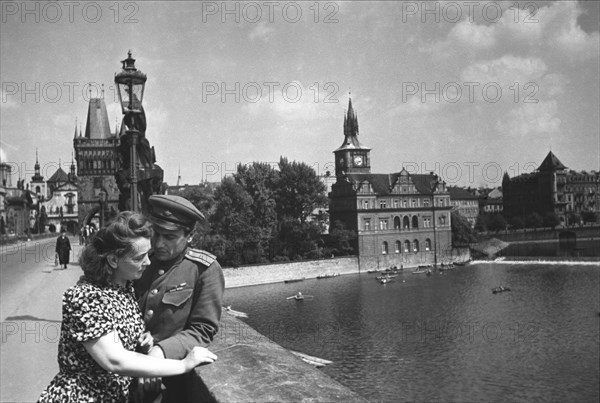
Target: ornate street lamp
x=102, y=199
x=130, y=83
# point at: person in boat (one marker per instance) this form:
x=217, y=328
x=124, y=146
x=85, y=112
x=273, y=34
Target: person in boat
x=299, y=295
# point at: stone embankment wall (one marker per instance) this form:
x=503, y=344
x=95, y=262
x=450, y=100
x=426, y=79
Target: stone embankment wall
x=586, y=232
x=279, y=272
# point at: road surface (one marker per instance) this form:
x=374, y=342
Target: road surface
x=31, y=289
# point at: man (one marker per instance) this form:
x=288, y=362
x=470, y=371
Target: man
x=180, y=294
x=63, y=248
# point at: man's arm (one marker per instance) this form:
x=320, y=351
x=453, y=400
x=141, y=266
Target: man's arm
x=205, y=315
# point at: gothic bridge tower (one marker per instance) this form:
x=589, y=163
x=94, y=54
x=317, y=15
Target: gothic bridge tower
x=97, y=162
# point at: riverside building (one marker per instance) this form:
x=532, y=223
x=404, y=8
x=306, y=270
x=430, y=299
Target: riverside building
x=401, y=219
x=553, y=189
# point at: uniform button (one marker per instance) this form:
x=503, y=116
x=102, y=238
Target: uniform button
x=161, y=272
x=150, y=313
x=154, y=292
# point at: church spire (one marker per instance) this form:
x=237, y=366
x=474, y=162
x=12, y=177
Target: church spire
x=350, y=121
x=72, y=170
x=37, y=177
x=75, y=135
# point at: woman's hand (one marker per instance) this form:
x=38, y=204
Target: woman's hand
x=198, y=356
x=145, y=342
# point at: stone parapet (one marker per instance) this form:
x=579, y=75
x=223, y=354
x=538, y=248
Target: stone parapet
x=252, y=368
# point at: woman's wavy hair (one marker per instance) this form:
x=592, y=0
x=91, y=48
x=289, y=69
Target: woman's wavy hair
x=116, y=238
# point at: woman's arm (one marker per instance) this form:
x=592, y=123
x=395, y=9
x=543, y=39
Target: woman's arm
x=109, y=353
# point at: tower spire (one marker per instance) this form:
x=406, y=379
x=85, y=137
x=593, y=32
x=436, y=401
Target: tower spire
x=178, y=175
x=36, y=176
x=350, y=121
x=75, y=135
x=72, y=170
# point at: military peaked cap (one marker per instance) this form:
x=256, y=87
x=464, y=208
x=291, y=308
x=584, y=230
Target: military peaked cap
x=173, y=212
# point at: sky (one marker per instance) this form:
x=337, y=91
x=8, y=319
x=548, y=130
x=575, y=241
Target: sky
x=467, y=89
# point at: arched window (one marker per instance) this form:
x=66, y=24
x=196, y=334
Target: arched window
x=384, y=248
x=396, y=222
x=428, y=244
x=416, y=245
x=398, y=246
x=415, y=222
x=406, y=222
x=406, y=246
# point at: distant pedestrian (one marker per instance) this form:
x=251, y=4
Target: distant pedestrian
x=63, y=248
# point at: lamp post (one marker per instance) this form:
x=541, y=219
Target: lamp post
x=435, y=249
x=130, y=83
x=102, y=199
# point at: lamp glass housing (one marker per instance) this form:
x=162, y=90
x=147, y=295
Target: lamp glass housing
x=133, y=102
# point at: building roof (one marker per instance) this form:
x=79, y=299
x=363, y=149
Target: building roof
x=495, y=194
x=383, y=184
x=458, y=193
x=551, y=163
x=97, y=126
x=59, y=176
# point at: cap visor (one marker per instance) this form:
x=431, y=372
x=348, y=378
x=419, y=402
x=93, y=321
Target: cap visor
x=167, y=225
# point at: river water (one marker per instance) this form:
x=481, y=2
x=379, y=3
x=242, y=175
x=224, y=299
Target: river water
x=444, y=337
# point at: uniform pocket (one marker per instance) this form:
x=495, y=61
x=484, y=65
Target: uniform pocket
x=177, y=298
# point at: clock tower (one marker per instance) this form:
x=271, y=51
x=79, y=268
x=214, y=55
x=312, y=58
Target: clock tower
x=351, y=156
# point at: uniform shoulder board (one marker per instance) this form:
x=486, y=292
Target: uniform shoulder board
x=200, y=256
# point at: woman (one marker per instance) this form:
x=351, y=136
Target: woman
x=102, y=324
x=63, y=248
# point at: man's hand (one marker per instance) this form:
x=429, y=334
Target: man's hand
x=145, y=342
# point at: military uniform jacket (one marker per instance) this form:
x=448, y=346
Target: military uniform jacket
x=181, y=301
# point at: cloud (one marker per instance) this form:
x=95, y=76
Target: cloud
x=9, y=101
x=533, y=30
x=505, y=70
x=289, y=102
x=473, y=35
x=531, y=119
x=262, y=32
x=549, y=27
x=414, y=106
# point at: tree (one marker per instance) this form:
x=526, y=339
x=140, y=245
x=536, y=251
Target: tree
x=551, y=220
x=462, y=233
x=203, y=198
x=517, y=222
x=340, y=241
x=482, y=222
x=589, y=216
x=497, y=223
x=533, y=220
x=299, y=191
x=233, y=220
x=574, y=219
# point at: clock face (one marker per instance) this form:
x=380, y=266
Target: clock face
x=358, y=160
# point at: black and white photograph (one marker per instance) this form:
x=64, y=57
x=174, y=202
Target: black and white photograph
x=285, y=201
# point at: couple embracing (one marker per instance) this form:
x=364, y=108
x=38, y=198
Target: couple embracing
x=144, y=311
